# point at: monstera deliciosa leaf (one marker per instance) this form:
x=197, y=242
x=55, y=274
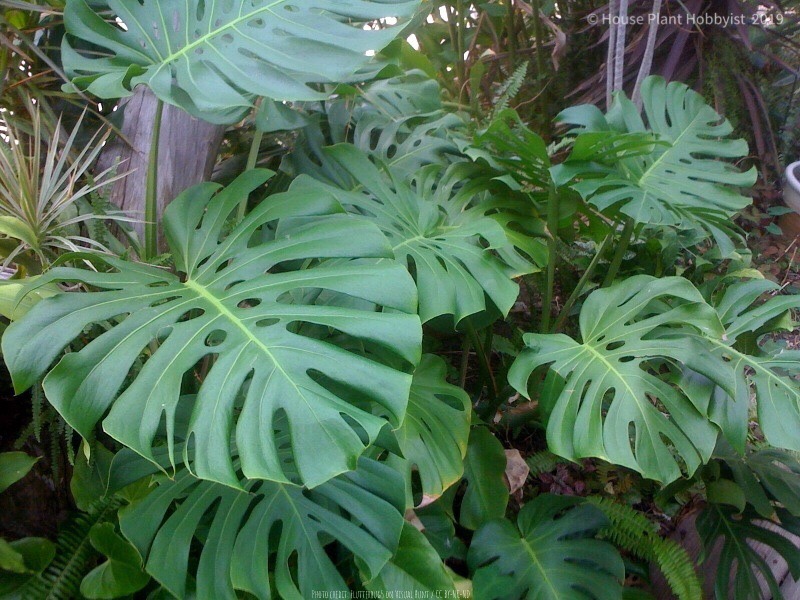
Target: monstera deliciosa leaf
x=742, y=567
x=613, y=404
x=770, y=373
x=433, y=436
x=685, y=179
x=549, y=555
x=213, y=58
x=399, y=120
x=266, y=523
x=460, y=258
x=244, y=302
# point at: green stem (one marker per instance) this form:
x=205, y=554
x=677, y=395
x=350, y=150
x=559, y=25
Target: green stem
x=151, y=190
x=483, y=360
x=552, y=230
x=585, y=278
x=538, y=34
x=252, y=159
x=456, y=39
x=625, y=239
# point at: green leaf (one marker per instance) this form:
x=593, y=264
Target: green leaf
x=89, y=479
x=725, y=491
x=60, y=570
x=121, y=574
x=21, y=561
x=211, y=59
x=37, y=553
x=415, y=568
x=16, y=298
x=739, y=562
x=682, y=183
x=747, y=367
x=549, y=555
x=486, y=496
x=606, y=409
x=10, y=559
x=766, y=476
x=13, y=467
x=460, y=258
x=246, y=300
x=440, y=531
x=433, y=436
x=19, y=230
x=242, y=530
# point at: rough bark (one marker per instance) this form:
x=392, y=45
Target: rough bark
x=187, y=152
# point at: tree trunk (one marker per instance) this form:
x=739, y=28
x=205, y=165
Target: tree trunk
x=187, y=152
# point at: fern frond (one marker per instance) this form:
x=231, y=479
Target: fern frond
x=37, y=401
x=509, y=89
x=74, y=552
x=542, y=462
x=632, y=531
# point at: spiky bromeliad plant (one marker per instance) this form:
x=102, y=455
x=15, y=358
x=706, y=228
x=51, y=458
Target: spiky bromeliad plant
x=278, y=430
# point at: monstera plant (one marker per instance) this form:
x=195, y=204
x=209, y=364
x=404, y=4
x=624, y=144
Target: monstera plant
x=270, y=408
x=213, y=59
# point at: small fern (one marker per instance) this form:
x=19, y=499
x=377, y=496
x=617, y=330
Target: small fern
x=638, y=535
x=37, y=400
x=509, y=89
x=542, y=462
x=74, y=553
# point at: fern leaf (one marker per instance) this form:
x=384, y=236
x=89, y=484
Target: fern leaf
x=635, y=533
x=509, y=89
x=542, y=462
x=62, y=578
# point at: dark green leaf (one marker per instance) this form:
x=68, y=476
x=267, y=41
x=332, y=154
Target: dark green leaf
x=549, y=555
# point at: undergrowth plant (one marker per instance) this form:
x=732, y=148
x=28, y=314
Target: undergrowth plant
x=331, y=383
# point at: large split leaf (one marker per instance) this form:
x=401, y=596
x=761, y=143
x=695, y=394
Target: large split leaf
x=549, y=555
x=434, y=433
x=247, y=531
x=683, y=180
x=212, y=58
x=614, y=405
x=247, y=305
x=459, y=257
x=399, y=121
x=741, y=566
x=770, y=373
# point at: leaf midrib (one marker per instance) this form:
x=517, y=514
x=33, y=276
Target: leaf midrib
x=660, y=159
x=211, y=34
x=540, y=567
x=224, y=311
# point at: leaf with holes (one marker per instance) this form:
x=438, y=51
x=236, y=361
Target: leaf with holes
x=741, y=566
x=244, y=301
x=549, y=555
x=434, y=434
x=247, y=531
x=751, y=367
x=399, y=121
x=463, y=261
x=683, y=179
x=213, y=58
x=614, y=405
